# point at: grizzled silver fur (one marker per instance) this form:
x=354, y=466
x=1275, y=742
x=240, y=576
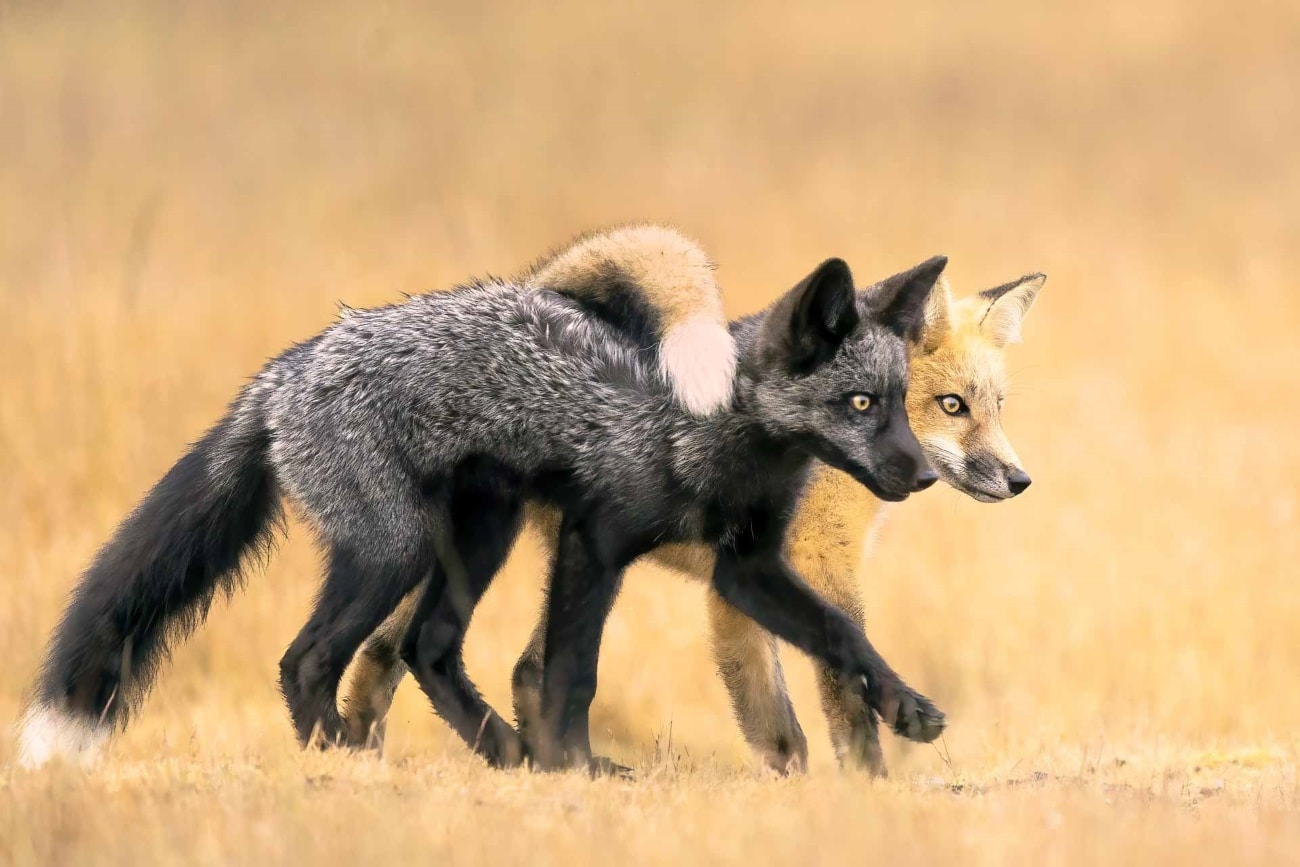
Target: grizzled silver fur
x=387, y=397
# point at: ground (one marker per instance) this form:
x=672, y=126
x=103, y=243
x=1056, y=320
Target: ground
x=185, y=189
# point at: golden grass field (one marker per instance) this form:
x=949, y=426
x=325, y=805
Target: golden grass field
x=186, y=188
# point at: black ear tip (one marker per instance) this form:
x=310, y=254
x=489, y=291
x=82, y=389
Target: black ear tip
x=935, y=264
x=835, y=267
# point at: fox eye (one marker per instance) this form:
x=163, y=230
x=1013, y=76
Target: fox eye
x=953, y=405
x=860, y=402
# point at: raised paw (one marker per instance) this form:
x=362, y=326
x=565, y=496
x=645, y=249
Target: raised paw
x=912, y=715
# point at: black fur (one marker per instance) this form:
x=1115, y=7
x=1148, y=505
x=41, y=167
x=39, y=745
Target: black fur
x=623, y=305
x=154, y=580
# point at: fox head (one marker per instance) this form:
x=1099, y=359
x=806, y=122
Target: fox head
x=829, y=369
x=958, y=379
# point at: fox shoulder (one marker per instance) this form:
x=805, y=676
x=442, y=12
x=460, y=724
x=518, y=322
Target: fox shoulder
x=666, y=278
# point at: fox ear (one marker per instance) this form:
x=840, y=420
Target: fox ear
x=1006, y=308
x=825, y=312
x=806, y=327
x=938, y=315
x=900, y=302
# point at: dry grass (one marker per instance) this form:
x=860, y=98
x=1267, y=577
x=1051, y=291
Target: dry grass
x=184, y=188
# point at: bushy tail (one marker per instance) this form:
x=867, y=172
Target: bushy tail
x=151, y=585
x=658, y=285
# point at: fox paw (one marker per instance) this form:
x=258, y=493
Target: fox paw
x=914, y=716
x=601, y=766
x=906, y=711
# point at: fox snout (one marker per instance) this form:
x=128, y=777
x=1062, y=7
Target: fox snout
x=926, y=476
x=911, y=470
x=905, y=470
x=987, y=476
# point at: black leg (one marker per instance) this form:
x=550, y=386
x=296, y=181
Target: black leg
x=584, y=582
x=762, y=586
x=484, y=524
x=359, y=592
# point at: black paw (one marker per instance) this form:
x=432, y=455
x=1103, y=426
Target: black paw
x=501, y=745
x=605, y=767
x=915, y=717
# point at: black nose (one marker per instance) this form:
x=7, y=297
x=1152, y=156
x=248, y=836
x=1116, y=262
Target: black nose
x=1017, y=481
x=925, y=478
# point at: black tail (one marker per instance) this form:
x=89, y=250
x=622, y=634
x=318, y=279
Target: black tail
x=153, y=582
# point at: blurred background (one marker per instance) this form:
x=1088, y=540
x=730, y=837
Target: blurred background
x=187, y=188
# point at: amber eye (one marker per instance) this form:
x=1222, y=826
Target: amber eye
x=860, y=402
x=952, y=404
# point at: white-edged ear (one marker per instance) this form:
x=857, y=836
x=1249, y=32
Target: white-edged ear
x=938, y=315
x=1007, y=307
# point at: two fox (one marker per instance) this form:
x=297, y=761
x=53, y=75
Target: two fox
x=956, y=385
x=419, y=477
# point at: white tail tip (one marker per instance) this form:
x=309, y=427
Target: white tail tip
x=46, y=733
x=698, y=359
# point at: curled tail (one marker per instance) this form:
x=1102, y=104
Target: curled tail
x=152, y=584
x=657, y=284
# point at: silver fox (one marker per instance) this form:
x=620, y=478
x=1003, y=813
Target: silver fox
x=412, y=435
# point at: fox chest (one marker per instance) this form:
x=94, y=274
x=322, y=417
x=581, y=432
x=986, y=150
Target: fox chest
x=835, y=522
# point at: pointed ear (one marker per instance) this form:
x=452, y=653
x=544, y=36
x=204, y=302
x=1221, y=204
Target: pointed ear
x=807, y=326
x=824, y=314
x=899, y=302
x=1007, y=306
x=938, y=315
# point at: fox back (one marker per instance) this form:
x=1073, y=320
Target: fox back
x=386, y=401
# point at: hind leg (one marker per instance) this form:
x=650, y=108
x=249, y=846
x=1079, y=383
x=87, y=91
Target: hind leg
x=371, y=680
x=484, y=524
x=361, y=589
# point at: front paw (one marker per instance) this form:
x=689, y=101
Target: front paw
x=910, y=714
x=600, y=766
x=500, y=744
